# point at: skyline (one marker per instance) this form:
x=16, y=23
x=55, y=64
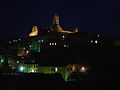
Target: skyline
x=18, y=17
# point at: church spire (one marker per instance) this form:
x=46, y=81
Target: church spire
x=56, y=19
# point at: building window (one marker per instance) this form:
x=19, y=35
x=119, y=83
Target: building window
x=30, y=46
x=56, y=69
x=91, y=41
x=38, y=40
x=41, y=40
x=55, y=43
x=50, y=44
x=66, y=45
x=98, y=35
x=96, y=41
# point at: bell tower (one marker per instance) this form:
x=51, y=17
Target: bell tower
x=56, y=19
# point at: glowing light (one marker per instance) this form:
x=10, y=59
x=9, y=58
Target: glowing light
x=55, y=43
x=2, y=60
x=52, y=43
x=82, y=69
x=91, y=41
x=17, y=61
x=33, y=70
x=27, y=51
x=74, y=68
x=96, y=41
x=14, y=40
x=21, y=68
x=63, y=36
x=49, y=43
x=98, y=35
x=34, y=31
x=56, y=69
x=30, y=46
x=65, y=45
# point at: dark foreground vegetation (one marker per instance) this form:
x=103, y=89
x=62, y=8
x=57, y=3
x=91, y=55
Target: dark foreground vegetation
x=55, y=82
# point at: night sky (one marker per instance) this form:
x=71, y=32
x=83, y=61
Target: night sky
x=18, y=16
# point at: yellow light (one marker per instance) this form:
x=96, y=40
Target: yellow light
x=82, y=69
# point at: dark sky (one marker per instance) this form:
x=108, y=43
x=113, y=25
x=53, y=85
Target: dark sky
x=18, y=16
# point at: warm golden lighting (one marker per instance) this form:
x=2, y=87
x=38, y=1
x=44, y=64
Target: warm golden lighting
x=54, y=27
x=34, y=31
x=82, y=69
x=74, y=68
x=22, y=52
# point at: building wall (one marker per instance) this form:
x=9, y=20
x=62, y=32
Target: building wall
x=35, y=68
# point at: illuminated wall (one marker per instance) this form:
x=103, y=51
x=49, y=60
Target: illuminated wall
x=34, y=31
x=35, y=68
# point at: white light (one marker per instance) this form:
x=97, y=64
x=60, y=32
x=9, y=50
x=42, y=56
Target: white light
x=42, y=40
x=55, y=43
x=98, y=35
x=19, y=39
x=52, y=43
x=24, y=48
x=96, y=41
x=91, y=41
x=38, y=40
x=63, y=36
x=83, y=69
x=49, y=43
x=14, y=40
x=65, y=45
x=30, y=46
x=27, y=51
x=56, y=69
x=33, y=70
x=21, y=68
x=2, y=60
x=17, y=61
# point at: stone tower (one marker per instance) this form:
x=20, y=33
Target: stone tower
x=56, y=19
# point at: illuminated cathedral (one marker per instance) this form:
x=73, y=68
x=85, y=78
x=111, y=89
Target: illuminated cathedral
x=54, y=28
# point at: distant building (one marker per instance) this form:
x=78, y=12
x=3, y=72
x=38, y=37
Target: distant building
x=65, y=71
x=54, y=28
x=54, y=45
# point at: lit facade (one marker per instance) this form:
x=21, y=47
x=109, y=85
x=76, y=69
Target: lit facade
x=54, y=28
x=65, y=71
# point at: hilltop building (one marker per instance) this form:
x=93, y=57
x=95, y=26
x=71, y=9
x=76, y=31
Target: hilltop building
x=52, y=49
x=54, y=28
